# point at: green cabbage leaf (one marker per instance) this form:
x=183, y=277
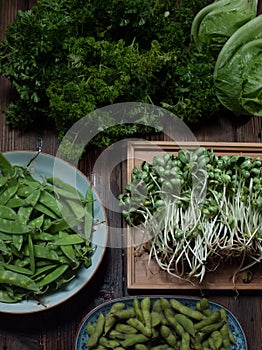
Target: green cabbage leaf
x=215, y=23
x=238, y=70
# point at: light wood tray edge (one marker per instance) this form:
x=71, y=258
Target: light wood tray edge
x=245, y=148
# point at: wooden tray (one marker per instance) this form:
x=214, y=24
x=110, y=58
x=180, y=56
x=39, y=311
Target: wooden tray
x=140, y=274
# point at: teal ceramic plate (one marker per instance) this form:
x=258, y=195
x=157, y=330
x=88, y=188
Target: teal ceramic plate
x=46, y=166
x=82, y=336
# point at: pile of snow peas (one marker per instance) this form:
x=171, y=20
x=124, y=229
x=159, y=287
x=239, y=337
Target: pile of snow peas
x=161, y=324
x=197, y=210
x=45, y=233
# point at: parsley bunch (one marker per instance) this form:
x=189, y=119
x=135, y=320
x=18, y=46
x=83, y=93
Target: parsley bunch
x=66, y=58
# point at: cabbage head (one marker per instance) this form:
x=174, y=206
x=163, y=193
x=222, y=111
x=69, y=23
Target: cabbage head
x=215, y=23
x=238, y=70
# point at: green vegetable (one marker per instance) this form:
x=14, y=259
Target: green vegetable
x=213, y=214
x=36, y=256
x=215, y=23
x=132, y=333
x=68, y=58
x=237, y=74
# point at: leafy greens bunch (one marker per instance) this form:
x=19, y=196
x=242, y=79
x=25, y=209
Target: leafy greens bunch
x=66, y=58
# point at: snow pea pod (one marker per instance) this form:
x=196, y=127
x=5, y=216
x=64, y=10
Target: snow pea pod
x=17, y=279
x=50, y=201
x=43, y=252
x=7, y=297
x=68, y=250
x=70, y=239
x=33, y=198
x=13, y=226
x=7, y=213
x=37, y=222
x=62, y=224
x=3, y=181
x=24, y=214
x=31, y=253
x=69, y=191
x=15, y=202
x=45, y=210
x=4, y=248
x=18, y=241
x=9, y=192
x=18, y=269
x=53, y=276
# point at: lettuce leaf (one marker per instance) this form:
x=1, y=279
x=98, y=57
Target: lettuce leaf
x=238, y=74
x=215, y=23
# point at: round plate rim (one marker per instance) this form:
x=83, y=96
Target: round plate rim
x=74, y=292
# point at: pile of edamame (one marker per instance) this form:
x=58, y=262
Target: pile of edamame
x=45, y=233
x=162, y=324
x=197, y=209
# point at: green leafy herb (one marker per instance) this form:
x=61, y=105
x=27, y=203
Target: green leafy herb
x=66, y=58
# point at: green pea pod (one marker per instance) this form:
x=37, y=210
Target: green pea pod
x=18, y=269
x=225, y=337
x=218, y=341
x=90, y=327
x=125, y=328
x=53, y=276
x=6, y=167
x=14, y=227
x=44, y=252
x=70, y=239
x=108, y=343
x=4, y=248
x=37, y=222
x=25, y=191
x=111, y=318
x=6, y=297
x=7, y=213
x=62, y=224
x=224, y=317
x=68, y=191
x=156, y=319
x=16, y=279
x=134, y=322
x=18, y=241
x=178, y=306
x=137, y=308
x=145, y=309
x=50, y=201
x=9, y=192
x=24, y=214
x=68, y=250
x=15, y=202
x=3, y=181
x=214, y=317
x=125, y=314
x=93, y=340
x=31, y=253
x=185, y=342
x=40, y=272
x=141, y=347
x=133, y=339
x=45, y=210
x=33, y=198
x=186, y=323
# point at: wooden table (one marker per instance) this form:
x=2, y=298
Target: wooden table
x=55, y=329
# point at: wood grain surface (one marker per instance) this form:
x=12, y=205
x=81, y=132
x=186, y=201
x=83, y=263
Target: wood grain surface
x=55, y=329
